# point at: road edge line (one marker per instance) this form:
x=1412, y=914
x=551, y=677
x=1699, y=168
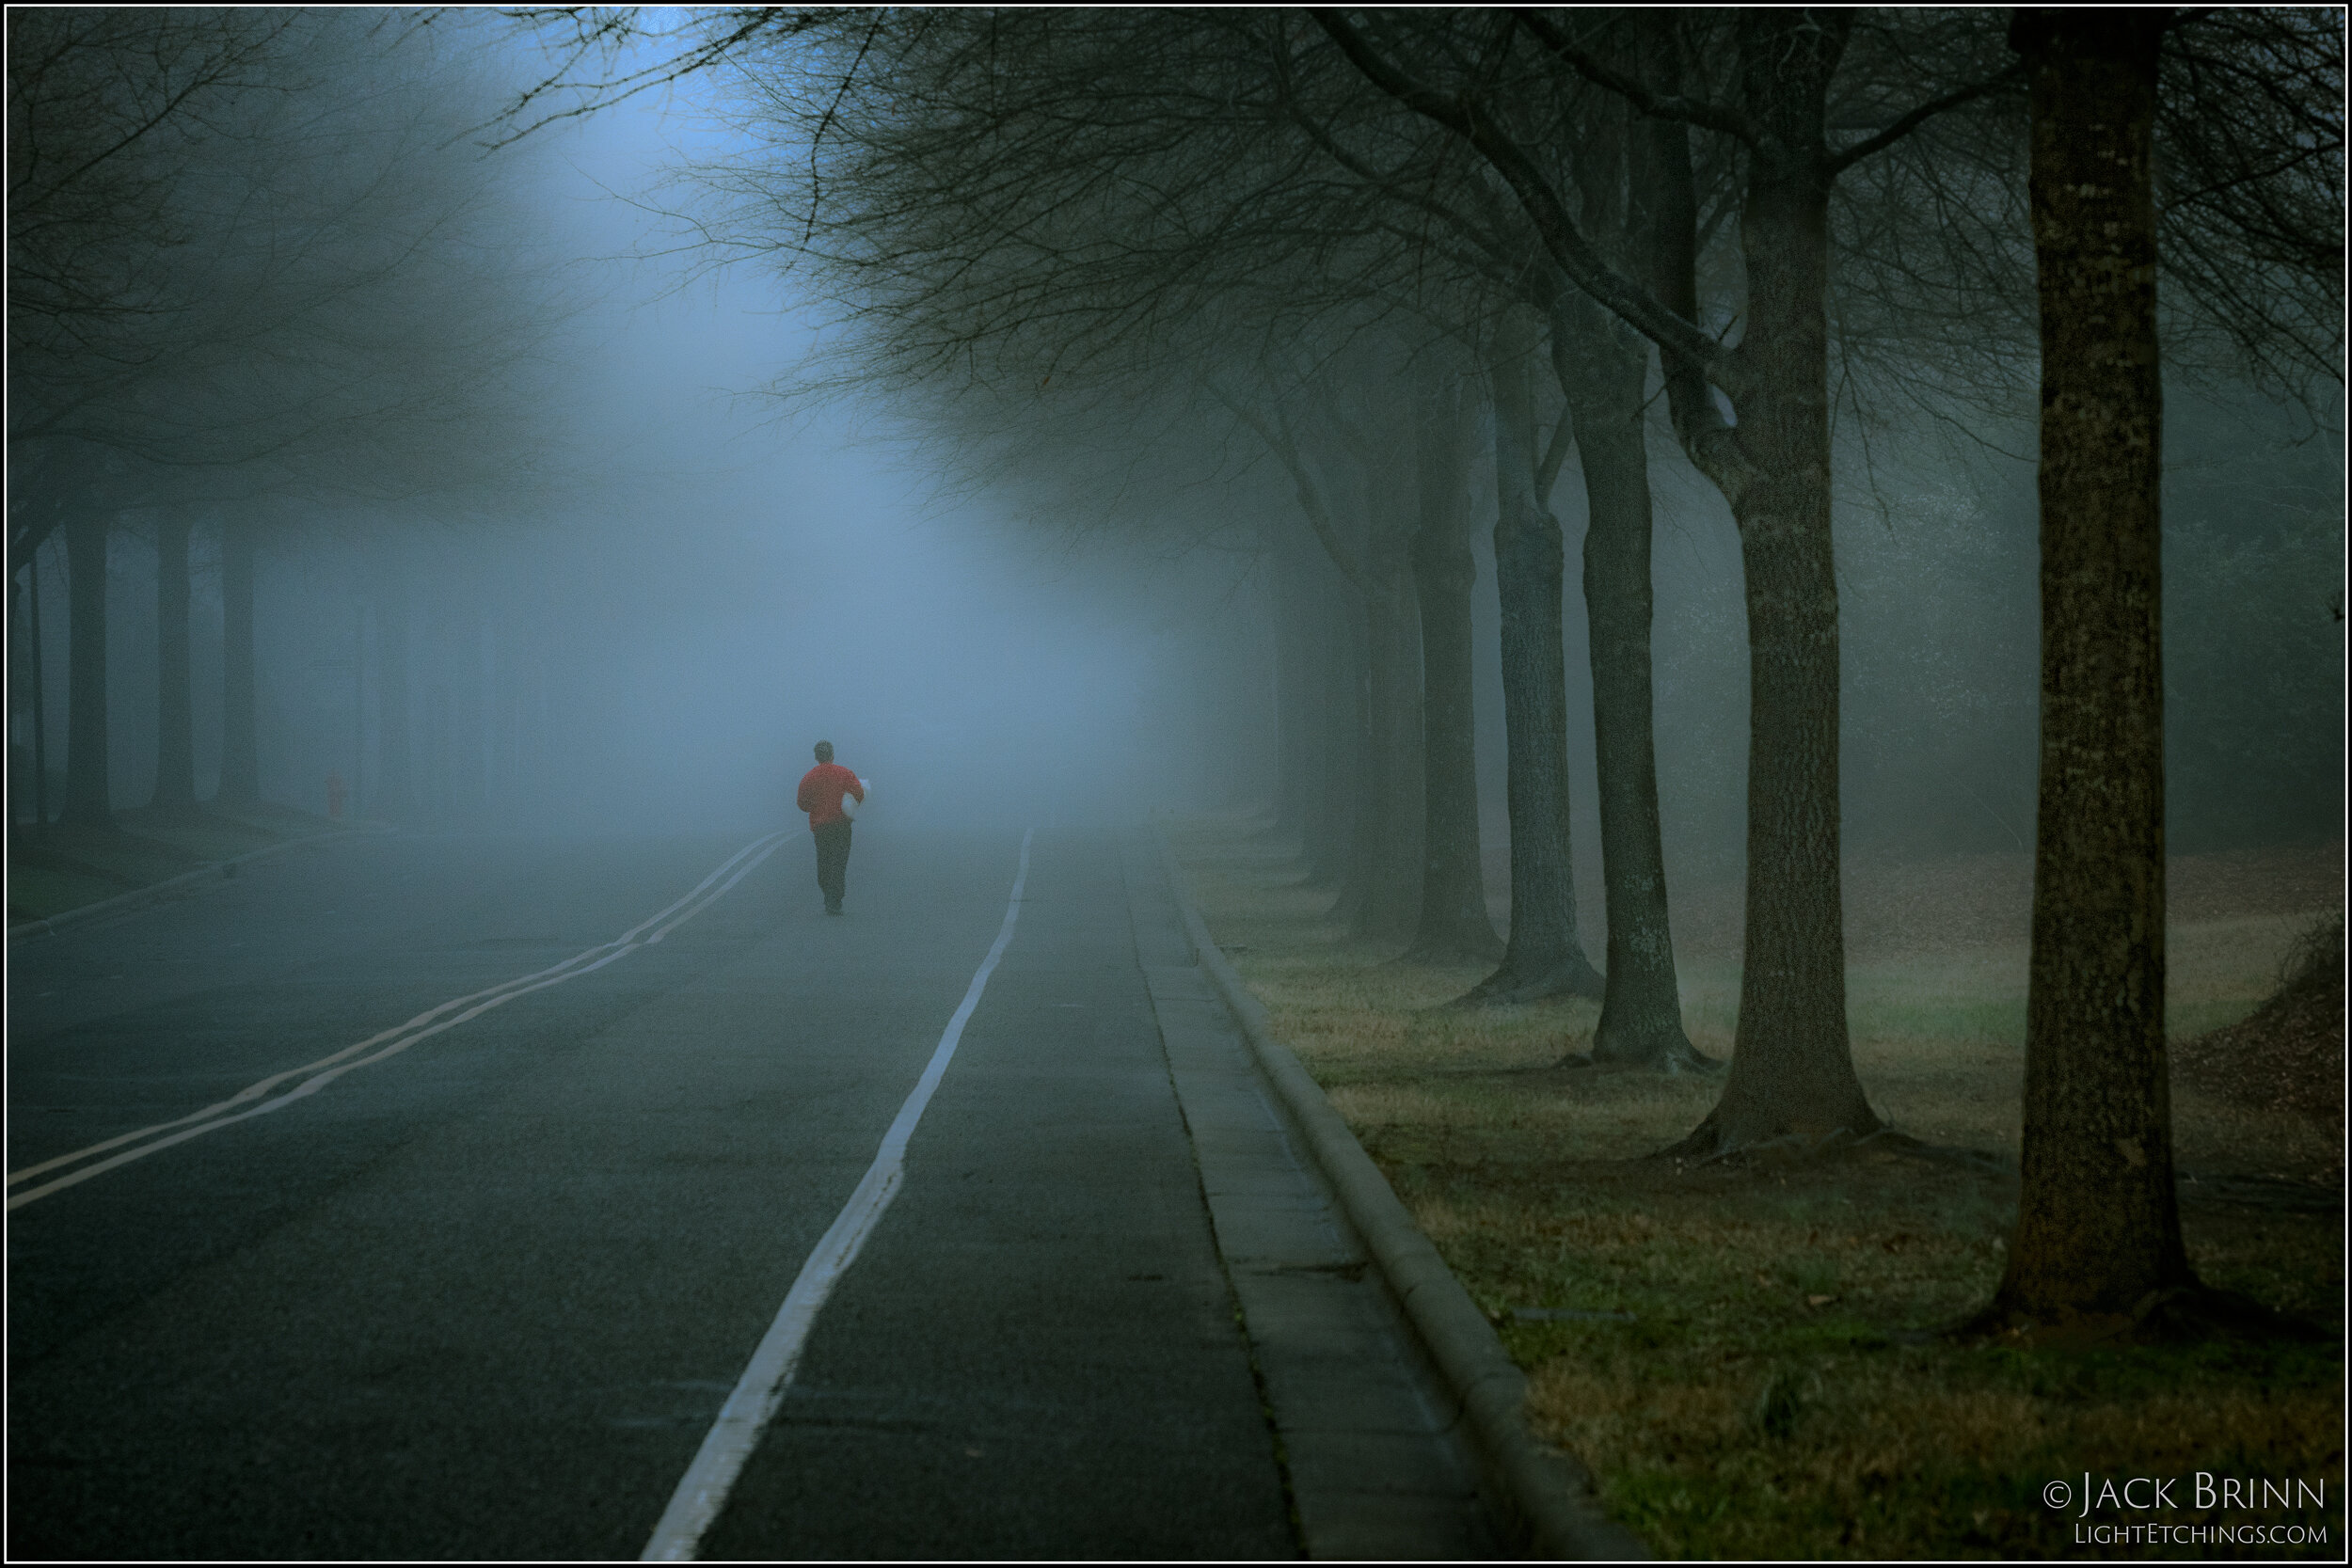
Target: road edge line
x=1559, y=1516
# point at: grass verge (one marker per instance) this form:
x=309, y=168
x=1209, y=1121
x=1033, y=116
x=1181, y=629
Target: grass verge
x=1747, y=1359
x=55, y=869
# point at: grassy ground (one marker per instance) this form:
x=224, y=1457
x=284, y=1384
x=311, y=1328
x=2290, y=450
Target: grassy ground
x=1757, y=1372
x=59, y=868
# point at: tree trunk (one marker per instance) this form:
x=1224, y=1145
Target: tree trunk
x=1792, y=1063
x=88, y=800
x=2098, y=1226
x=1544, y=956
x=175, y=728
x=1602, y=370
x=1454, y=927
x=240, y=749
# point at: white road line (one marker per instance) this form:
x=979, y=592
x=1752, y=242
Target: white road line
x=700, y=1496
x=325, y=1069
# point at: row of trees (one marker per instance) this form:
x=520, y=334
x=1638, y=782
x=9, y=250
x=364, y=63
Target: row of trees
x=261, y=290
x=421, y=667
x=1354, y=238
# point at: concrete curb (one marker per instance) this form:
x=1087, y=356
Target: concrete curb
x=1548, y=1491
x=211, y=870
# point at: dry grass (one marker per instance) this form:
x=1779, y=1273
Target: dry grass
x=1779, y=1390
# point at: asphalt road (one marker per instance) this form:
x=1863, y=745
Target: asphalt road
x=485, y=1297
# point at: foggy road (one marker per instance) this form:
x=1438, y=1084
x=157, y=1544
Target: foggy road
x=485, y=1296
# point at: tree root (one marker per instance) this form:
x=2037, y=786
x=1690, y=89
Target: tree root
x=1706, y=1145
x=1512, y=985
x=1675, y=1059
x=2187, y=1313
x=1666, y=1049
x=1443, y=952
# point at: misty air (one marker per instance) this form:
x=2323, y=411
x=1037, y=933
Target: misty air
x=1057, y=783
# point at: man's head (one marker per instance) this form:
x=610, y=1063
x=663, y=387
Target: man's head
x=824, y=750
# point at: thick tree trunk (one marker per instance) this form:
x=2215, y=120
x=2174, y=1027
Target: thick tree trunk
x=175, y=728
x=1454, y=927
x=88, y=800
x=1544, y=956
x=2098, y=1226
x=240, y=749
x=1603, y=371
x=1792, y=1063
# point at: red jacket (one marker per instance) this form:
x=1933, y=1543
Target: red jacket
x=822, y=788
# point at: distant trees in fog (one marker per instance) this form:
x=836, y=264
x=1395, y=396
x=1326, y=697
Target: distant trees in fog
x=262, y=288
x=1764, y=225
x=1310, y=287
x=1767, y=221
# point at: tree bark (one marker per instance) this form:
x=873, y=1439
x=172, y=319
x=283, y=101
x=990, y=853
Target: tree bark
x=175, y=728
x=1602, y=370
x=88, y=798
x=1792, y=1062
x=1454, y=927
x=240, y=749
x=2098, y=1225
x=1544, y=954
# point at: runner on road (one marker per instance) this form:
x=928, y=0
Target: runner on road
x=822, y=789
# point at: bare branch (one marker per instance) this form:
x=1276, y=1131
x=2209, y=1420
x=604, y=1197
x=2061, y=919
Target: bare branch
x=1840, y=162
x=1656, y=105
x=1568, y=246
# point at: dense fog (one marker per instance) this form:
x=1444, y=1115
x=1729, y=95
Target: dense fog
x=691, y=586
x=570, y=511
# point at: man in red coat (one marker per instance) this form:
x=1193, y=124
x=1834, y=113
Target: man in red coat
x=822, y=789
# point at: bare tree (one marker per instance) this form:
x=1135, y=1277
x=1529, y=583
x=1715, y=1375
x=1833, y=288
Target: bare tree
x=265, y=282
x=2098, y=1239
x=1765, y=80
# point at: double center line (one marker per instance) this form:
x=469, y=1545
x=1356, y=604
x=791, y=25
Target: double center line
x=260, y=1099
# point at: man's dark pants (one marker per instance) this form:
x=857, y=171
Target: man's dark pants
x=833, y=861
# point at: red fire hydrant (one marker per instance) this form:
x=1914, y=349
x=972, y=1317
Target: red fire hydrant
x=337, y=792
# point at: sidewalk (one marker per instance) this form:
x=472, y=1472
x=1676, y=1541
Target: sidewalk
x=1373, y=1441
